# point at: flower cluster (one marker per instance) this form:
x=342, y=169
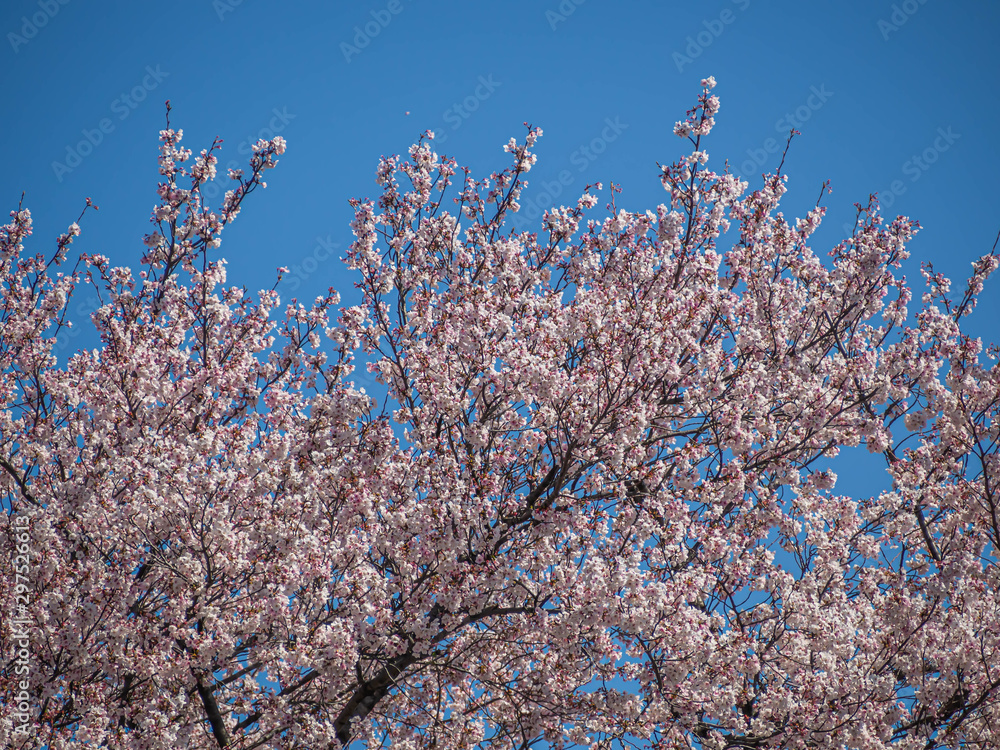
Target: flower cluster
x=596, y=506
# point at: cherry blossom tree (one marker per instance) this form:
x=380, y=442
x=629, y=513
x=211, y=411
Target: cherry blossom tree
x=596, y=506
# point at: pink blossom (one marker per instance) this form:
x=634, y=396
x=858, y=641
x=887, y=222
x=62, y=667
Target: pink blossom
x=587, y=501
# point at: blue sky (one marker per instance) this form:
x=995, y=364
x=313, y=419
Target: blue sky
x=895, y=97
x=886, y=94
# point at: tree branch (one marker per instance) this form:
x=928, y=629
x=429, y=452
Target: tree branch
x=212, y=711
x=21, y=484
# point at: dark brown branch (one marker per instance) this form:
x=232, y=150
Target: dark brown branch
x=369, y=693
x=21, y=484
x=212, y=711
x=926, y=533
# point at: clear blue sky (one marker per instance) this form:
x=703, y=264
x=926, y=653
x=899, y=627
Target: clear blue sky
x=896, y=97
x=475, y=72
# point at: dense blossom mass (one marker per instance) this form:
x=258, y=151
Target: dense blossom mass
x=596, y=506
